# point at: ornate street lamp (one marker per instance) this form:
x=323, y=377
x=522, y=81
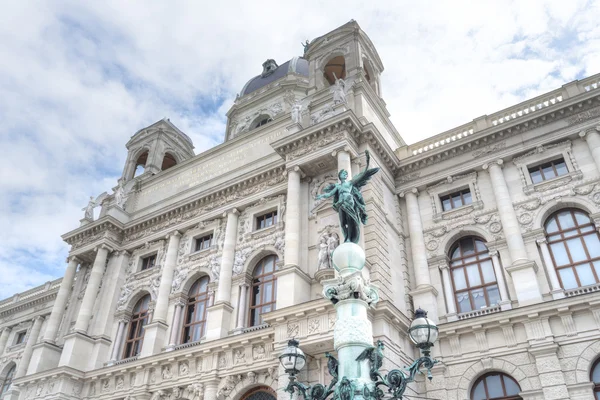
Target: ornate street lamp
x=423, y=333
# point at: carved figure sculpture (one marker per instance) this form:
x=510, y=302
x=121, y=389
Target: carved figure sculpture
x=296, y=107
x=348, y=201
x=332, y=365
x=332, y=242
x=120, y=383
x=215, y=268
x=305, y=45
x=166, y=372
x=159, y=395
x=122, y=192
x=175, y=394
x=195, y=391
x=340, y=88
x=93, y=203
x=323, y=260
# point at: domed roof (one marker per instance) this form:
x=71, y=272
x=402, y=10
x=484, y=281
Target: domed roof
x=272, y=72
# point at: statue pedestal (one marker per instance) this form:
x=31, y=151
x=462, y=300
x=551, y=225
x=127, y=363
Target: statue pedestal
x=352, y=296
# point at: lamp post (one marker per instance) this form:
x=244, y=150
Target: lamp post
x=356, y=374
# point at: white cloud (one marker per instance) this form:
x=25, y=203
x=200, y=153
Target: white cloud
x=77, y=79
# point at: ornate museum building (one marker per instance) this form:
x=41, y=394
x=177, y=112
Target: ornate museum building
x=199, y=268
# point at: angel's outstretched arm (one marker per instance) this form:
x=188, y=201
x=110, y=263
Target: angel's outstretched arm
x=327, y=194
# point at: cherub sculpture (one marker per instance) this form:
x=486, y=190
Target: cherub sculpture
x=348, y=200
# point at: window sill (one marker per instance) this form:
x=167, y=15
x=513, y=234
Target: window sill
x=582, y=290
x=145, y=273
x=553, y=183
x=16, y=347
x=197, y=255
x=458, y=212
x=264, y=231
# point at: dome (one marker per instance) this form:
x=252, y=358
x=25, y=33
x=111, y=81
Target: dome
x=272, y=72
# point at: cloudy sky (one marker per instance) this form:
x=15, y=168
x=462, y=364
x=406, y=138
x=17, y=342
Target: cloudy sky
x=77, y=79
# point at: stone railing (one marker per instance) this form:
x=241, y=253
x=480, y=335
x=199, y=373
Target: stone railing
x=478, y=313
x=31, y=293
x=526, y=108
x=123, y=361
x=256, y=328
x=582, y=290
x=190, y=344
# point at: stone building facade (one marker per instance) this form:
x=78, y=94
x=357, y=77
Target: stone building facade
x=199, y=268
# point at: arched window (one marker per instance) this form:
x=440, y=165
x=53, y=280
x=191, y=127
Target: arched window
x=595, y=377
x=496, y=386
x=475, y=284
x=260, y=121
x=168, y=161
x=335, y=68
x=260, y=393
x=140, y=164
x=135, y=335
x=264, y=289
x=195, y=311
x=7, y=381
x=574, y=247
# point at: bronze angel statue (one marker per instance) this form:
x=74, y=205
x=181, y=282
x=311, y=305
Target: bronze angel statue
x=348, y=200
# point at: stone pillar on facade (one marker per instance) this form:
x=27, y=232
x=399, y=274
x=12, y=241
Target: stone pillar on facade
x=176, y=325
x=118, y=342
x=46, y=354
x=522, y=269
x=218, y=317
x=4, y=338
x=344, y=161
x=91, y=291
x=555, y=289
x=592, y=137
x=28, y=351
x=293, y=284
x=550, y=372
x=424, y=294
x=79, y=346
x=156, y=331
x=504, y=299
x=448, y=292
x=210, y=390
x=242, y=306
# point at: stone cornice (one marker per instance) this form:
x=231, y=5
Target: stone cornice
x=30, y=298
x=292, y=147
x=94, y=229
x=570, y=107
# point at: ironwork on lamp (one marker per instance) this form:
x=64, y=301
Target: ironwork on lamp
x=423, y=332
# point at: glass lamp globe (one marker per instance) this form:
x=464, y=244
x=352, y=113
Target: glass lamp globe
x=292, y=358
x=423, y=332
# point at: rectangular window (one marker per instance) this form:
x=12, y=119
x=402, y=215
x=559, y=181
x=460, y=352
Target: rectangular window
x=549, y=170
x=266, y=220
x=21, y=337
x=203, y=243
x=148, y=262
x=456, y=199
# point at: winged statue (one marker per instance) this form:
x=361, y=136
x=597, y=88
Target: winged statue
x=93, y=203
x=375, y=357
x=296, y=107
x=348, y=201
x=122, y=192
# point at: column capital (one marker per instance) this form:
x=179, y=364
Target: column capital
x=105, y=247
x=180, y=302
x=414, y=191
x=295, y=168
x=74, y=259
x=493, y=253
x=541, y=241
x=39, y=318
x=125, y=319
x=244, y=284
x=233, y=211
x=584, y=134
x=175, y=233
x=123, y=253
x=488, y=164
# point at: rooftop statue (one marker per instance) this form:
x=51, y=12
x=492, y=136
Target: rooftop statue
x=348, y=200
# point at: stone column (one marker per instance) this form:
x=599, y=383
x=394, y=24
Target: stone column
x=28, y=351
x=166, y=279
x=292, y=219
x=424, y=294
x=218, y=318
x=210, y=390
x=522, y=269
x=242, y=306
x=4, y=338
x=448, y=292
x=504, y=300
x=91, y=291
x=176, y=326
x=293, y=285
x=555, y=289
x=344, y=161
x=592, y=136
x=119, y=339
x=156, y=332
x=61, y=300
x=549, y=371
